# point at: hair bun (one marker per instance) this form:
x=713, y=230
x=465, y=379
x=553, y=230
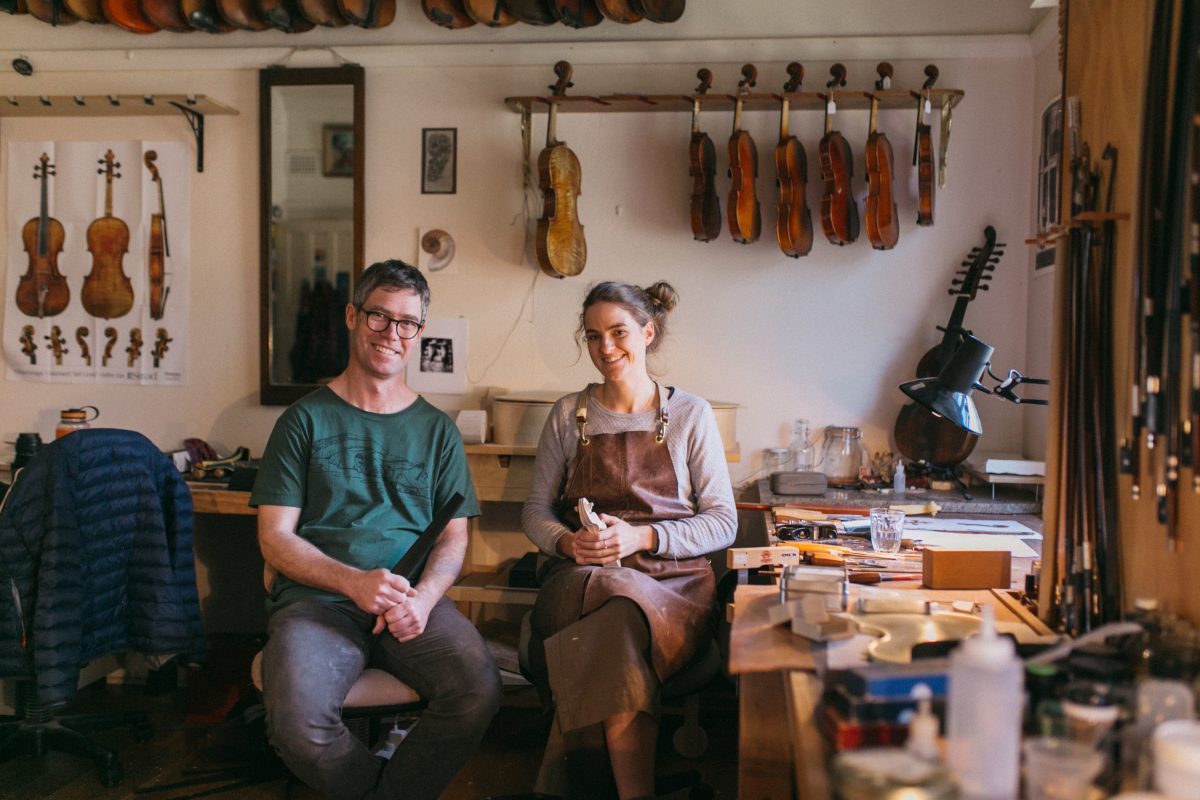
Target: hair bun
x=663, y=295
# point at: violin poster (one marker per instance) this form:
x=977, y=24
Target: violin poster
x=98, y=247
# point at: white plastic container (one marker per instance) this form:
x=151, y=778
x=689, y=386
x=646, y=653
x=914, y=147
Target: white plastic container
x=1177, y=759
x=984, y=714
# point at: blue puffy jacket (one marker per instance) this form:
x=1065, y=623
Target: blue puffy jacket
x=95, y=557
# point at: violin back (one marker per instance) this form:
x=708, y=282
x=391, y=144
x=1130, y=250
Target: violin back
x=107, y=291
x=53, y=12
x=242, y=14
x=659, y=10
x=284, y=15
x=491, y=13
x=369, y=13
x=166, y=15
x=621, y=11
x=560, y=246
x=706, y=207
x=531, y=12
x=839, y=212
x=446, y=13
x=127, y=14
x=745, y=219
x=883, y=229
x=323, y=12
x=203, y=15
x=793, y=224
x=576, y=13
x=87, y=10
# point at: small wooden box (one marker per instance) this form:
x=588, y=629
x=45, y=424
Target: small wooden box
x=966, y=569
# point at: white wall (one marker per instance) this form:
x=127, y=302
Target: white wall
x=828, y=336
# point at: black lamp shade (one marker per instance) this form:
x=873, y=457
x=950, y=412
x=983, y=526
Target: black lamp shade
x=949, y=394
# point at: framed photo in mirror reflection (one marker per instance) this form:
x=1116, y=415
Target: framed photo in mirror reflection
x=439, y=160
x=337, y=151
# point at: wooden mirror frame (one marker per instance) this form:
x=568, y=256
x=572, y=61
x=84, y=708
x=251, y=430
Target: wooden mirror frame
x=276, y=394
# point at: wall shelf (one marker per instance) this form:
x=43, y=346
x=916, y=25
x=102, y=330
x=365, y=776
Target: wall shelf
x=847, y=100
x=193, y=107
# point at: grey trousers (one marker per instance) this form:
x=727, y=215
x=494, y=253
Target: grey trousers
x=315, y=653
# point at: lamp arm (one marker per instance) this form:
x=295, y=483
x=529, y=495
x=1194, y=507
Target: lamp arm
x=1007, y=387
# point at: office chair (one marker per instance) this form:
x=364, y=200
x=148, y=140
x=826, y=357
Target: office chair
x=96, y=558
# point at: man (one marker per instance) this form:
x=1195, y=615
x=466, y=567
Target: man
x=351, y=475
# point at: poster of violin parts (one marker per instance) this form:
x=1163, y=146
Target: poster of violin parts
x=98, y=248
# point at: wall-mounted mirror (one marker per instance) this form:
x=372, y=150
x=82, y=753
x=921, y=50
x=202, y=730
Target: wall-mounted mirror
x=311, y=156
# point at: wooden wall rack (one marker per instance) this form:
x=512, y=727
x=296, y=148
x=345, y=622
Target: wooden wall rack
x=193, y=107
x=755, y=101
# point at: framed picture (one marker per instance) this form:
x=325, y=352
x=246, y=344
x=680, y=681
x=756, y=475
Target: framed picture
x=337, y=151
x=440, y=365
x=439, y=160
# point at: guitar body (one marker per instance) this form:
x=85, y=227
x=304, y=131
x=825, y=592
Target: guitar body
x=491, y=13
x=793, y=225
x=621, y=11
x=745, y=219
x=284, y=15
x=53, y=12
x=127, y=14
x=166, y=15
x=444, y=13
x=925, y=176
x=560, y=245
x=839, y=212
x=883, y=229
x=242, y=14
x=107, y=291
x=659, y=10
x=531, y=12
x=576, y=13
x=203, y=15
x=43, y=272
x=706, y=207
x=87, y=10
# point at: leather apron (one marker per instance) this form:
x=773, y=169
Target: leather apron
x=624, y=475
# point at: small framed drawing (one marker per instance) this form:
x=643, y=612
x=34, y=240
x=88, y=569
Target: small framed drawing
x=439, y=160
x=440, y=366
x=337, y=151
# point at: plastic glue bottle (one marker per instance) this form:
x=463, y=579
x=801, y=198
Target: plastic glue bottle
x=899, y=481
x=984, y=714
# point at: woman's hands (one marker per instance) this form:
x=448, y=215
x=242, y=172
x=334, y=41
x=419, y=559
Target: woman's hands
x=618, y=540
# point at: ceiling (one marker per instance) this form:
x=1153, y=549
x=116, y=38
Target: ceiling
x=703, y=20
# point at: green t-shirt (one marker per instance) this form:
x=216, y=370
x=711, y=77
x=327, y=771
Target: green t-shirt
x=366, y=484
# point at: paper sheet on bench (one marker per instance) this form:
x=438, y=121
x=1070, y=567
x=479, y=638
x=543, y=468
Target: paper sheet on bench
x=973, y=541
x=985, y=526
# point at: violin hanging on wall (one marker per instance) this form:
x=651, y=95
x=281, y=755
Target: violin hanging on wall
x=87, y=10
x=42, y=291
x=54, y=12
x=531, y=12
x=492, y=13
x=560, y=247
x=839, y=211
x=793, y=223
x=127, y=14
x=883, y=229
x=923, y=151
x=107, y=291
x=160, y=245
x=706, y=207
x=621, y=11
x=745, y=220
x=166, y=15
x=659, y=10
x=444, y=13
x=576, y=13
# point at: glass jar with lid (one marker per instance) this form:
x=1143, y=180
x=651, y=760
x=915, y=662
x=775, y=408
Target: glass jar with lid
x=842, y=455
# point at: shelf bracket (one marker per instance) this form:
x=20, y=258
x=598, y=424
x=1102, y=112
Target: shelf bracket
x=195, y=121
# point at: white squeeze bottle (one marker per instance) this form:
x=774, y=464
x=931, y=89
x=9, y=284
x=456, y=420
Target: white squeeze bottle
x=984, y=710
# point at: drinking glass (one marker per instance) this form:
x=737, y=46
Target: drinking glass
x=887, y=527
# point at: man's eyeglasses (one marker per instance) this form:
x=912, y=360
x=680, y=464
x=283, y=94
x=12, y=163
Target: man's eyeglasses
x=379, y=322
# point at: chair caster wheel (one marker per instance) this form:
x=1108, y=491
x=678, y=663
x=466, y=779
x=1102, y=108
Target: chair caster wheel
x=690, y=742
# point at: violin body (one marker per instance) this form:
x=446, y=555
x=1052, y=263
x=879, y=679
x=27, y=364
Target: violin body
x=531, y=12
x=576, y=13
x=166, y=15
x=369, y=13
x=445, y=13
x=87, y=10
x=203, y=15
x=745, y=219
x=284, y=15
x=793, y=225
x=322, y=12
x=53, y=12
x=107, y=291
x=659, y=10
x=925, y=176
x=706, y=207
x=839, y=212
x=242, y=14
x=43, y=277
x=621, y=11
x=560, y=246
x=883, y=229
x=127, y=14
x=491, y=13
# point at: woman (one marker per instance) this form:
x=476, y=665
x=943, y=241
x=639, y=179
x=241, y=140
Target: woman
x=651, y=461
